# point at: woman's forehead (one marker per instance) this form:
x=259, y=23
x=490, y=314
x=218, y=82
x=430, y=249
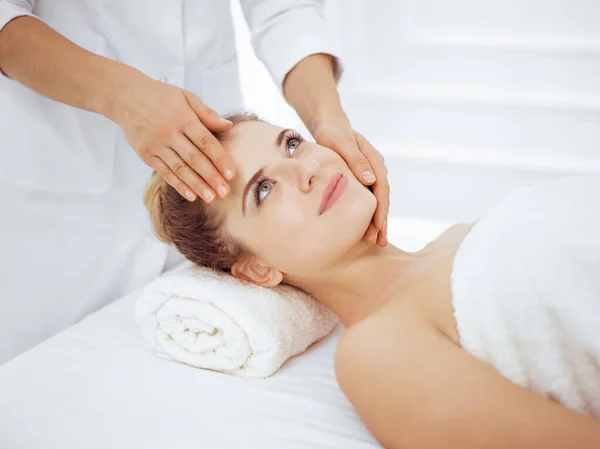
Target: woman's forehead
x=252, y=146
x=249, y=140
x=256, y=129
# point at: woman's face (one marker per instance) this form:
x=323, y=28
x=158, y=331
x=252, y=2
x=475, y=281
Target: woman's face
x=294, y=204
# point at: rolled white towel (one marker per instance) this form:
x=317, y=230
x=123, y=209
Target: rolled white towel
x=213, y=321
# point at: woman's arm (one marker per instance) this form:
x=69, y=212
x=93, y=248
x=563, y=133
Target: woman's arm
x=415, y=389
x=168, y=127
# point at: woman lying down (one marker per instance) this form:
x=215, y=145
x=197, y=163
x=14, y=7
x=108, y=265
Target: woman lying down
x=488, y=337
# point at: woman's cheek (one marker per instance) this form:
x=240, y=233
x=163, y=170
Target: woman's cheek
x=293, y=214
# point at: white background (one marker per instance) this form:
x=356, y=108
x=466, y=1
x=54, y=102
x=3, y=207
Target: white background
x=466, y=99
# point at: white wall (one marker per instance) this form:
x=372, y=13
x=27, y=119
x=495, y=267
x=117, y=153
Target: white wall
x=466, y=99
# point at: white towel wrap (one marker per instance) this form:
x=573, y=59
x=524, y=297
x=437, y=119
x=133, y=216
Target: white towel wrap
x=526, y=290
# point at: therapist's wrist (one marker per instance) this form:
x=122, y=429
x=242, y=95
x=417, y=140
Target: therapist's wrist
x=117, y=80
x=327, y=117
x=310, y=88
x=321, y=110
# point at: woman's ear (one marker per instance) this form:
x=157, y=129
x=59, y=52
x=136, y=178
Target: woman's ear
x=255, y=272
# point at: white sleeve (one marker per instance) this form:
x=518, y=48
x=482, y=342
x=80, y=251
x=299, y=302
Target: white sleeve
x=11, y=9
x=284, y=32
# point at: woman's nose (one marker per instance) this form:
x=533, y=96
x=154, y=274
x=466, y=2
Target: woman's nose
x=307, y=174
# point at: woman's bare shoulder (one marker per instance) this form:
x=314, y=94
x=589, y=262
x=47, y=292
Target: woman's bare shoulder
x=413, y=387
x=390, y=327
x=369, y=361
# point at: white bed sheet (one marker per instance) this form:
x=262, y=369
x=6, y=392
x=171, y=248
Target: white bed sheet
x=99, y=385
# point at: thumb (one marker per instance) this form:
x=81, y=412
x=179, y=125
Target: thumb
x=209, y=117
x=358, y=163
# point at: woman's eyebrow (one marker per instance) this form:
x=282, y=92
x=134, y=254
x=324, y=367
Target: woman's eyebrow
x=281, y=136
x=252, y=180
x=260, y=172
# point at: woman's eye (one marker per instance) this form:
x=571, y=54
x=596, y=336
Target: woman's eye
x=293, y=142
x=293, y=145
x=263, y=190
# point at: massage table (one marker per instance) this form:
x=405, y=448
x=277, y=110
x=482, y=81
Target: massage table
x=99, y=385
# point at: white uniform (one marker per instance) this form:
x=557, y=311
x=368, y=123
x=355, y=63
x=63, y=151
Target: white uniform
x=74, y=234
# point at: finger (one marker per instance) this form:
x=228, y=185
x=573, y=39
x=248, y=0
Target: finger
x=382, y=239
x=385, y=228
x=202, y=165
x=358, y=163
x=211, y=147
x=382, y=194
x=167, y=174
x=208, y=116
x=381, y=189
x=185, y=173
x=371, y=234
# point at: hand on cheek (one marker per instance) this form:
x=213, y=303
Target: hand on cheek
x=364, y=160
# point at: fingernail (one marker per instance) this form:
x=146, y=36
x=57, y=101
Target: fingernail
x=375, y=239
x=190, y=195
x=208, y=195
x=222, y=191
x=368, y=176
x=228, y=173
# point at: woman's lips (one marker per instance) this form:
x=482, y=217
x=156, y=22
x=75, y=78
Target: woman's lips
x=336, y=186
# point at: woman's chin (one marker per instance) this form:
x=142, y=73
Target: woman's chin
x=365, y=206
x=358, y=215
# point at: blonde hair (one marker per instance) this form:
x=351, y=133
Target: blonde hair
x=154, y=196
x=192, y=227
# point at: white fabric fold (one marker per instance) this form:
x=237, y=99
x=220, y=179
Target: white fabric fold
x=526, y=290
x=213, y=321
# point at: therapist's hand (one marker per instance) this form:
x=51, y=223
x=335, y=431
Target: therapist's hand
x=368, y=166
x=170, y=130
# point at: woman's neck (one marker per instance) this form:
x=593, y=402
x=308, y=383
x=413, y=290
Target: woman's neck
x=355, y=286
